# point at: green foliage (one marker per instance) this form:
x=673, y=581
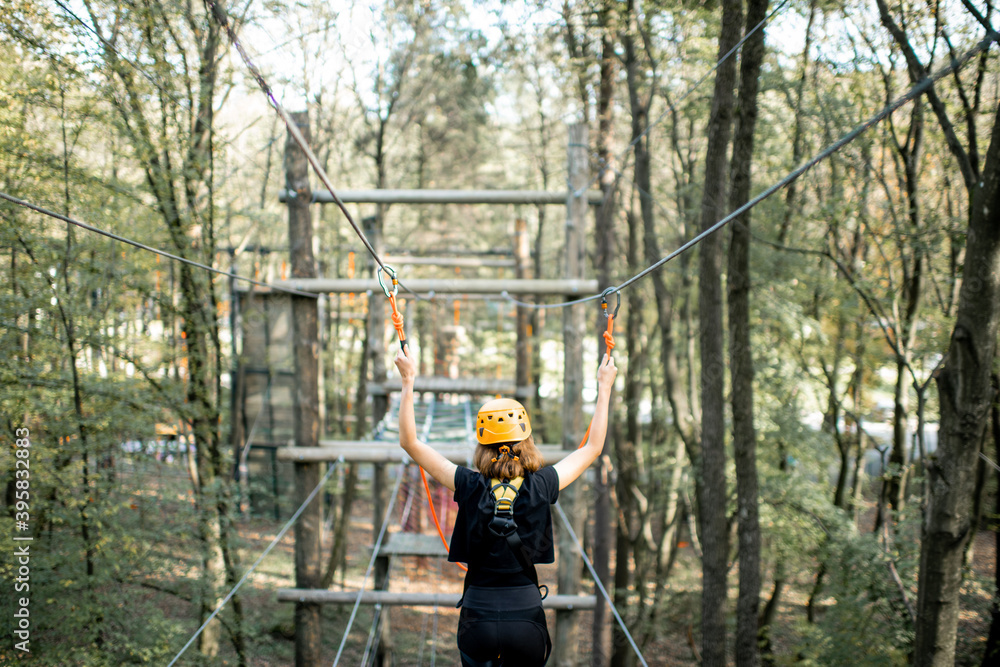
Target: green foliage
x=862, y=617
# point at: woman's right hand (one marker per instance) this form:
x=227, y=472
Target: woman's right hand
x=407, y=369
x=606, y=373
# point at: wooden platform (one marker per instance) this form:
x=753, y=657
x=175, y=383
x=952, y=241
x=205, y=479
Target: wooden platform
x=446, y=385
x=366, y=451
x=565, y=287
x=392, y=598
x=412, y=544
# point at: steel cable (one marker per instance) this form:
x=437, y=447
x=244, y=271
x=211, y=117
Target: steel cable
x=598, y=584
x=143, y=246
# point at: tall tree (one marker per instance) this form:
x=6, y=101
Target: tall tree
x=740, y=352
x=712, y=471
x=171, y=131
x=965, y=391
x=603, y=261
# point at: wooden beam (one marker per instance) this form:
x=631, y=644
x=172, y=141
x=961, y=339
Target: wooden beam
x=392, y=598
x=447, y=385
x=461, y=262
x=365, y=451
x=387, y=196
x=575, y=287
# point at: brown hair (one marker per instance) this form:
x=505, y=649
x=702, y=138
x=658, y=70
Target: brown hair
x=505, y=467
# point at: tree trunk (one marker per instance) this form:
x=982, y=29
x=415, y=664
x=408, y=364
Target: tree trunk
x=965, y=395
x=604, y=258
x=626, y=457
x=565, y=652
x=992, y=652
x=712, y=471
x=740, y=351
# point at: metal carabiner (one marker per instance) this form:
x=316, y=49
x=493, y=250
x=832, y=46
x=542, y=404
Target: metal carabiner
x=391, y=272
x=604, y=301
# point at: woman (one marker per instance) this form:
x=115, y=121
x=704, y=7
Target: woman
x=504, y=526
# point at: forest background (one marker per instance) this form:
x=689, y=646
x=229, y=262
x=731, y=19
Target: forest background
x=801, y=452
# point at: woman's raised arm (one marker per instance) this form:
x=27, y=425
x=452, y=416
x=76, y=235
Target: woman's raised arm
x=426, y=457
x=573, y=465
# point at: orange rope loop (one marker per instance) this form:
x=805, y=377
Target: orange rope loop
x=609, y=335
x=397, y=319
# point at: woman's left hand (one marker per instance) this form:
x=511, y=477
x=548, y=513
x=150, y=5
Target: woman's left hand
x=607, y=372
x=407, y=369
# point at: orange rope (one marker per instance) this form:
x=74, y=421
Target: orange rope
x=397, y=319
x=609, y=338
x=434, y=515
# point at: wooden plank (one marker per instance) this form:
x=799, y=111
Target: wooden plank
x=463, y=385
x=399, y=196
x=385, y=452
x=575, y=287
x=392, y=598
x=412, y=544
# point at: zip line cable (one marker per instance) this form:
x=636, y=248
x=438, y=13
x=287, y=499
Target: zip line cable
x=143, y=246
x=277, y=538
x=987, y=459
x=371, y=562
x=598, y=584
x=918, y=89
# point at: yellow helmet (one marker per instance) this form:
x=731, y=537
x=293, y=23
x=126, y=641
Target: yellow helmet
x=502, y=420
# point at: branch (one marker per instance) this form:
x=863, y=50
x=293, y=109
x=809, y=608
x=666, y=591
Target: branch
x=873, y=307
x=979, y=17
x=918, y=73
x=970, y=116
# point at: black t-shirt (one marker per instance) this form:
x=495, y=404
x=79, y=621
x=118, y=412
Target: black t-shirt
x=489, y=557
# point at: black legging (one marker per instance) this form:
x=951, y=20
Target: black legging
x=503, y=627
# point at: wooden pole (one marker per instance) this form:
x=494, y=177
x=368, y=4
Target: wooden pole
x=305, y=326
x=376, y=360
x=522, y=257
x=567, y=639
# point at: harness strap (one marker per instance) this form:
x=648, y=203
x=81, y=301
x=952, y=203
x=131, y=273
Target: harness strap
x=505, y=494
